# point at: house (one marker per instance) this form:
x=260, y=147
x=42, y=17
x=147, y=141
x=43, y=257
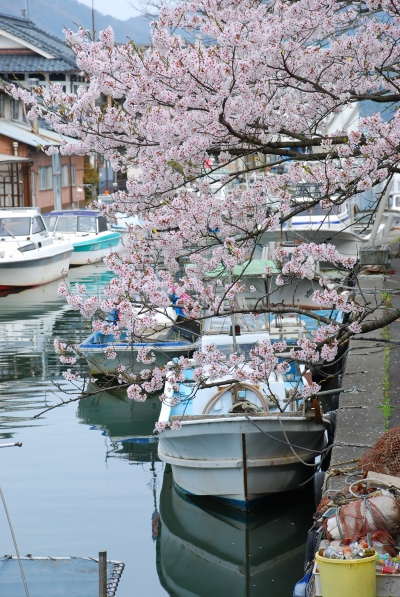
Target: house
x=29, y=177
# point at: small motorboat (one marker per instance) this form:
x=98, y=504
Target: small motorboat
x=169, y=339
x=87, y=230
x=29, y=256
x=239, y=441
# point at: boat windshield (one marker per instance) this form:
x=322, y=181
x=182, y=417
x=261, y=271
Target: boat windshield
x=242, y=349
x=222, y=325
x=86, y=224
x=15, y=226
x=66, y=224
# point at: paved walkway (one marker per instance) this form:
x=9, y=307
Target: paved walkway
x=359, y=418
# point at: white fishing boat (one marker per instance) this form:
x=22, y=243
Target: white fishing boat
x=237, y=456
x=29, y=256
x=87, y=230
x=316, y=224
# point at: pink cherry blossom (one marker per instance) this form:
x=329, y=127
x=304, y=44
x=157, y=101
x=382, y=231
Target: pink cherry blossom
x=262, y=79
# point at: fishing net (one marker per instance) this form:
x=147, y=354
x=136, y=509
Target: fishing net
x=384, y=456
x=366, y=515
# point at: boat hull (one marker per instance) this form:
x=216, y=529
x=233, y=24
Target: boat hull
x=229, y=458
x=347, y=243
x=35, y=270
x=126, y=356
x=95, y=249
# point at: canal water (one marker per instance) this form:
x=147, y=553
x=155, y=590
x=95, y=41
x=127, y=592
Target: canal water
x=87, y=477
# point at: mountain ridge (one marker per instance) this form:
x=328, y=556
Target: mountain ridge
x=53, y=16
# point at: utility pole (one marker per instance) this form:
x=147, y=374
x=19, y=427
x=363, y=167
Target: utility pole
x=93, y=32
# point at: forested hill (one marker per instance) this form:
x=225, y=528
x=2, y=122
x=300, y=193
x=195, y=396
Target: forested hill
x=54, y=15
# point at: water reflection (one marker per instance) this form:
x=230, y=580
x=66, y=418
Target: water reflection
x=70, y=492
x=207, y=550
x=31, y=319
x=128, y=424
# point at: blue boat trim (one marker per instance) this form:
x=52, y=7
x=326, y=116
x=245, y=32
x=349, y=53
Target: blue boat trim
x=73, y=212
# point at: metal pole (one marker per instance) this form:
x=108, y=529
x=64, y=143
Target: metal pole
x=93, y=32
x=15, y=542
x=102, y=574
x=379, y=214
x=233, y=320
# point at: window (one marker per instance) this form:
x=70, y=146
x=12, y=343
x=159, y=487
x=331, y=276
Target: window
x=15, y=226
x=102, y=224
x=45, y=178
x=86, y=224
x=15, y=109
x=73, y=175
x=2, y=106
x=37, y=225
x=66, y=224
x=50, y=222
x=64, y=175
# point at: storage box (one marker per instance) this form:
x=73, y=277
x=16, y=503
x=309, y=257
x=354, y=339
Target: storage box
x=387, y=585
x=374, y=256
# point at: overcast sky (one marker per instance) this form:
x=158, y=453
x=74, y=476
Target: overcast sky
x=120, y=9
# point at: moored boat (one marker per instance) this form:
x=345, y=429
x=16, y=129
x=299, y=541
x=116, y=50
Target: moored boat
x=239, y=441
x=87, y=230
x=28, y=254
x=167, y=341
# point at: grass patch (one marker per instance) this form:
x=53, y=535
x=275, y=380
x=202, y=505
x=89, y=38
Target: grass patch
x=386, y=406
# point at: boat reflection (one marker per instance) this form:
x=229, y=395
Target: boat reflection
x=32, y=318
x=207, y=550
x=127, y=423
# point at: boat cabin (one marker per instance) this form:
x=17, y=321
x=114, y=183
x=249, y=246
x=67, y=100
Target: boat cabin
x=21, y=223
x=77, y=222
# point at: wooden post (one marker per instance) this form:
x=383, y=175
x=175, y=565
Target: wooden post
x=102, y=574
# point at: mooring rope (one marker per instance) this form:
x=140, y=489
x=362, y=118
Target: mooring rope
x=15, y=542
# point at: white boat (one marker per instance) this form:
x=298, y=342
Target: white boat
x=223, y=452
x=28, y=254
x=87, y=230
x=317, y=225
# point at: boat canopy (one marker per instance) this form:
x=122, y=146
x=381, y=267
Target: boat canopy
x=72, y=222
x=20, y=225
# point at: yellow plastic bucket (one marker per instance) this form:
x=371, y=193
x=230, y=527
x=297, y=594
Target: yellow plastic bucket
x=347, y=578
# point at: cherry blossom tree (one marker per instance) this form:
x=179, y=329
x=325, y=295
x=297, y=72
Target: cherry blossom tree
x=237, y=86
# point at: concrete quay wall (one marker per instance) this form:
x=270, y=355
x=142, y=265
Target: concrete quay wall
x=360, y=420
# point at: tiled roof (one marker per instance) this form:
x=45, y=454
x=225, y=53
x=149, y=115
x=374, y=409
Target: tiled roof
x=27, y=31
x=20, y=63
